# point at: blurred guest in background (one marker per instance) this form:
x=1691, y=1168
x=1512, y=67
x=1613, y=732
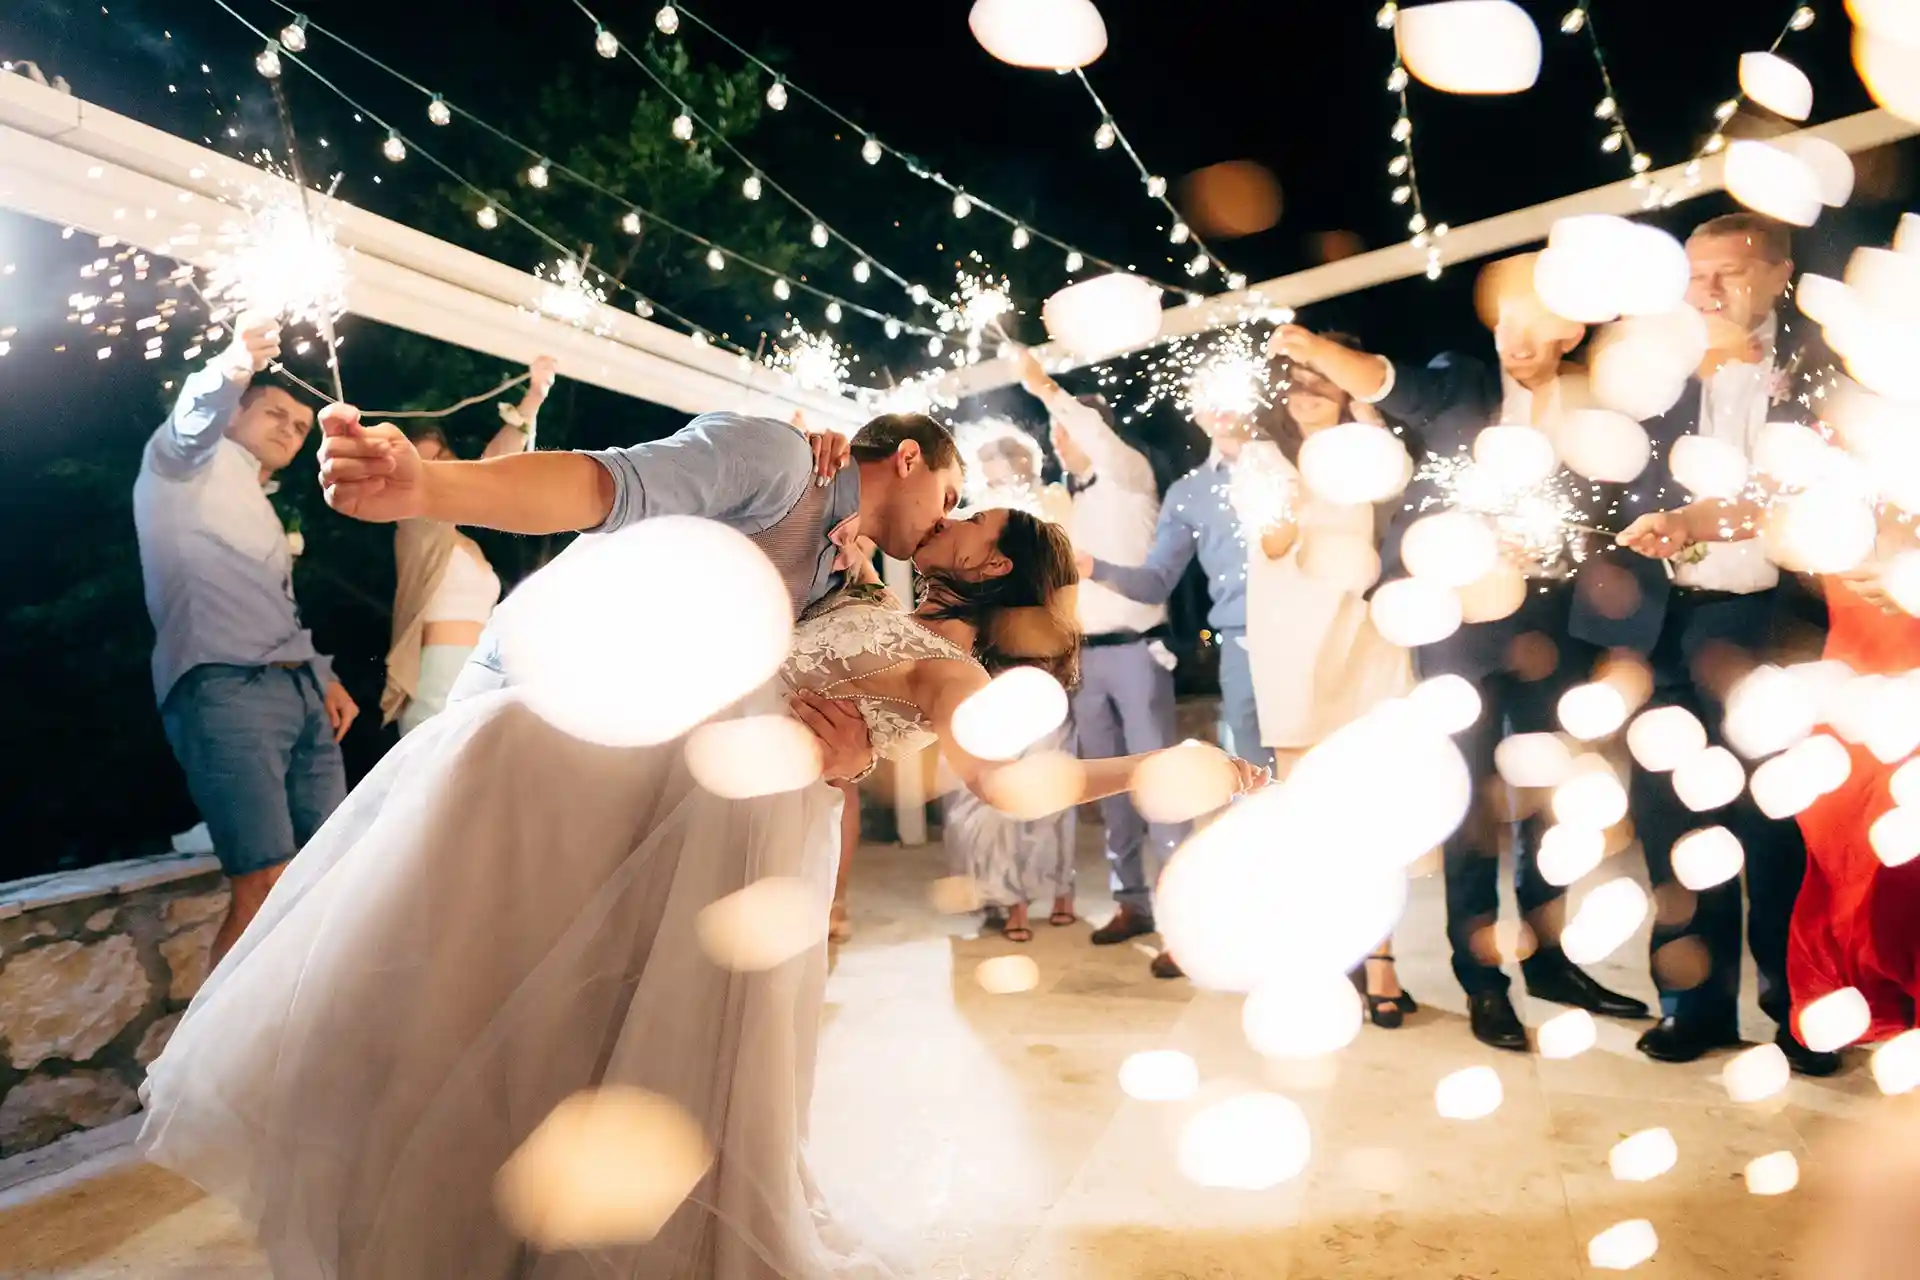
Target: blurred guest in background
x=1317, y=661
x=253, y=712
x=1444, y=407
x=1718, y=598
x=1125, y=702
x=444, y=589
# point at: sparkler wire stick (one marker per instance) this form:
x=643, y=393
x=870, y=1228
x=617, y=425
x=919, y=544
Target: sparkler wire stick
x=313, y=231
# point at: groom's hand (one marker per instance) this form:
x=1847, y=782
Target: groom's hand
x=846, y=750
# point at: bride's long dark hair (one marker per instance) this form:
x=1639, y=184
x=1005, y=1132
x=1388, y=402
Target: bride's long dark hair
x=1025, y=617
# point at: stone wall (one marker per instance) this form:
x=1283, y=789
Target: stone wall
x=95, y=969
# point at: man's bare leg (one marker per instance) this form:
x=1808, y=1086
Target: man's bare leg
x=249, y=894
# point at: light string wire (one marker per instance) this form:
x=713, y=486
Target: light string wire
x=912, y=163
x=1156, y=188
x=449, y=171
x=1802, y=17
x=918, y=293
x=616, y=197
x=1619, y=136
x=1402, y=166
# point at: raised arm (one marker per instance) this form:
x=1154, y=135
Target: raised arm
x=1109, y=455
x=1168, y=558
x=939, y=687
x=516, y=434
x=208, y=398
x=722, y=466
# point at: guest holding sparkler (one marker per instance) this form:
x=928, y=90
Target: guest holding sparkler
x=1125, y=701
x=444, y=588
x=1444, y=406
x=1318, y=662
x=253, y=712
x=1715, y=595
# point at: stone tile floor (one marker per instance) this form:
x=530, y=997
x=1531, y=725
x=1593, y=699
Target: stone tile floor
x=974, y=1136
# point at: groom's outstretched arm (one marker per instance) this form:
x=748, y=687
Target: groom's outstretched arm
x=746, y=471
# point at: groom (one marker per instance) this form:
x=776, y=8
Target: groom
x=753, y=474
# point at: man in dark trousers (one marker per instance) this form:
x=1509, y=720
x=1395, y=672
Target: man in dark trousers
x=1701, y=619
x=1519, y=663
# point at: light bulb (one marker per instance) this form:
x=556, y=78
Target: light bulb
x=1605, y=109
x=1397, y=80
x=1402, y=194
x=642, y=308
x=782, y=290
x=1075, y=261
x=934, y=346
x=438, y=112
x=777, y=95
x=267, y=61
x=818, y=235
x=1021, y=239
x=668, y=19
x=683, y=127
x=716, y=259
x=293, y=36
x=919, y=295
x=870, y=150
x=1718, y=142
x=394, y=149
x=1156, y=186
x=1398, y=165
x=1199, y=265
x=1574, y=22
x=862, y=271
x=1402, y=129
x=1433, y=268
x=631, y=223
x=1725, y=110
x=833, y=313
x=699, y=338
x=538, y=176
x=750, y=187
x=1179, y=233
x=1641, y=162
x=1417, y=223
x=892, y=327
x=1237, y=281
x=1104, y=136
x=604, y=42
x=962, y=206
x=1612, y=141
x=1801, y=20
x=488, y=217
x=1385, y=18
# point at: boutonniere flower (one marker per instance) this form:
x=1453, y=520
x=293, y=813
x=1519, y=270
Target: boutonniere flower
x=296, y=541
x=1692, y=555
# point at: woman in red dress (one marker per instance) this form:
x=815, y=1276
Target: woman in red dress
x=1856, y=922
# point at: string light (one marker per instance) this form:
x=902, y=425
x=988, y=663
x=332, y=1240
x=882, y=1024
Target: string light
x=605, y=43
x=539, y=174
x=818, y=235
x=1075, y=261
x=393, y=149
x=488, y=217
x=683, y=126
x=267, y=61
x=1103, y=137
x=630, y=222
x=438, y=112
x=751, y=187
x=870, y=150
x=962, y=206
x=1178, y=233
x=782, y=290
x=1406, y=191
x=863, y=273
x=668, y=20
x=1020, y=238
x=716, y=259
x=777, y=94
x=1619, y=138
x=833, y=313
x=293, y=36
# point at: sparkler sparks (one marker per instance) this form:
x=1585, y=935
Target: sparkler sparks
x=271, y=258
x=814, y=361
x=1222, y=372
x=978, y=309
x=568, y=295
x=1539, y=520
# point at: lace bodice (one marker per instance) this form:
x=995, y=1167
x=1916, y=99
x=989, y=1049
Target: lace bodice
x=857, y=633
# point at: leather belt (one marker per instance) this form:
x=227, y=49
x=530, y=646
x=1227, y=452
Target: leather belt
x=1112, y=639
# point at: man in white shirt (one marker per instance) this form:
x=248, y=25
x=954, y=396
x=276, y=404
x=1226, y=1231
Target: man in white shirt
x=1723, y=598
x=1124, y=704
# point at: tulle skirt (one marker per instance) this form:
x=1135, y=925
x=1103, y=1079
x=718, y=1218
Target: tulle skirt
x=498, y=917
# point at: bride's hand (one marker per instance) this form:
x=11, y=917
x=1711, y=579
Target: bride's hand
x=1250, y=777
x=846, y=749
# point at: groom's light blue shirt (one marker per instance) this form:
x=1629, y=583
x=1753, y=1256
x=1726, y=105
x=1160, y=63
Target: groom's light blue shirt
x=739, y=470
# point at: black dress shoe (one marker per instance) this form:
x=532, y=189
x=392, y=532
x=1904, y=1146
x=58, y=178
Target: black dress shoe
x=1805, y=1061
x=1566, y=983
x=1125, y=925
x=1676, y=1040
x=1494, y=1022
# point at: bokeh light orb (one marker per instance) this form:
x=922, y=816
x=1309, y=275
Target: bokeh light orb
x=1305, y=1015
x=1159, y=1075
x=1471, y=46
x=1355, y=463
x=1471, y=1093
x=1105, y=315
x=1232, y=199
x=1247, y=1143
x=1042, y=34
x=1411, y=612
x=1016, y=709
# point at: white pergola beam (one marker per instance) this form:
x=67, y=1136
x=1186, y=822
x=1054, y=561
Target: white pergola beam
x=72, y=163
x=1494, y=235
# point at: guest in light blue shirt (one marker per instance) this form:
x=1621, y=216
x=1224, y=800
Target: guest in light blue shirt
x=252, y=710
x=1197, y=519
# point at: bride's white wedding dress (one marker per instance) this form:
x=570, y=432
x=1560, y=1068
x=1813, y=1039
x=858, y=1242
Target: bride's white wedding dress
x=498, y=917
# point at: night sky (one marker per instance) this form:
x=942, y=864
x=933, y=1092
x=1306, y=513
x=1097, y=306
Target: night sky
x=1296, y=85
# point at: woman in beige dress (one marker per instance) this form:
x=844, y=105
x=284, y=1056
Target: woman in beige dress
x=444, y=590
x=1317, y=661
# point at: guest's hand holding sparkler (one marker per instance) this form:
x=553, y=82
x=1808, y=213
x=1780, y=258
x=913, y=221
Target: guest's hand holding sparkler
x=370, y=472
x=1658, y=535
x=1277, y=539
x=256, y=345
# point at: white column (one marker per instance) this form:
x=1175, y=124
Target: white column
x=909, y=790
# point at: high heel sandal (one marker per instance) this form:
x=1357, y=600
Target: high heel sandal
x=1387, y=1012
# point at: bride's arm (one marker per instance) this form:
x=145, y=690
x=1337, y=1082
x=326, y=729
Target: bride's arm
x=940, y=686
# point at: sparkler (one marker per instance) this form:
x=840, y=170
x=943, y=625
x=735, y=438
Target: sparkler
x=814, y=361
x=1222, y=372
x=977, y=309
x=1539, y=520
x=568, y=295
x=273, y=259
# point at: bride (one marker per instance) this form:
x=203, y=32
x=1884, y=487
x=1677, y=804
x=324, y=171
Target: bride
x=501, y=916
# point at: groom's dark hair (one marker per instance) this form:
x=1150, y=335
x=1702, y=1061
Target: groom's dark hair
x=881, y=438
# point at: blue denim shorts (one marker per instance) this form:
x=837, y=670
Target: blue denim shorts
x=260, y=759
